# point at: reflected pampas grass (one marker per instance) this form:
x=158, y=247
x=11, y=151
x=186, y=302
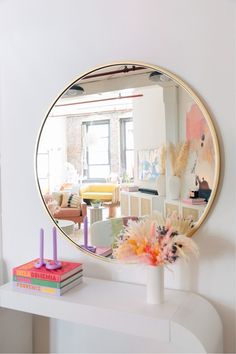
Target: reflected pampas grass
x=179, y=224
x=162, y=155
x=178, y=157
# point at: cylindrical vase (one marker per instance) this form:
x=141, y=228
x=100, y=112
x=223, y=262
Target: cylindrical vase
x=161, y=185
x=174, y=187
x=155, y=284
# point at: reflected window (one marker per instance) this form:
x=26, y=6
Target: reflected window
x=127, y=147
x=97, y=149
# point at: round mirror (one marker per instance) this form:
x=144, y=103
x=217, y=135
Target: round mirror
x=124, y=141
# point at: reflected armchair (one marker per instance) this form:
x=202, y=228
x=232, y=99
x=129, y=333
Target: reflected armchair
x=73, y=214
x=68, y=207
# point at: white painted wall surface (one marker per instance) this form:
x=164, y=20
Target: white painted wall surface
x=149, y=119
x=47, y=44
x=149, y=126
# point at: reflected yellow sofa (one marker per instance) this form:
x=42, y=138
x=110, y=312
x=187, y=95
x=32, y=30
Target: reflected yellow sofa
x=106, y=192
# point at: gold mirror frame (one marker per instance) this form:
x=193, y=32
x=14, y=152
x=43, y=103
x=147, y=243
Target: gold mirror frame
x=195, y=98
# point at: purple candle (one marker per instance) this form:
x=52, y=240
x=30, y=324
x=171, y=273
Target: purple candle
x=55, y=264
x=85, y=231
x=40, y=262
x=54, y=235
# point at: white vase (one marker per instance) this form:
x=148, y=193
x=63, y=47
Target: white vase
x=155, y=284
x=174, y=187
x=161, y=185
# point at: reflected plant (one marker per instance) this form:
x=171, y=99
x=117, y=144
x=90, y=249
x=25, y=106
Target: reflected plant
x=96, y=202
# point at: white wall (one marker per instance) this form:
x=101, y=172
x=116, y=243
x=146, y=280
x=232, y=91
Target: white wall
x=47, y=44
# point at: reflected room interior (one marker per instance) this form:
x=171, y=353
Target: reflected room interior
x=124, y=141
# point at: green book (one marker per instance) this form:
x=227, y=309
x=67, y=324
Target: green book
x=51, y=284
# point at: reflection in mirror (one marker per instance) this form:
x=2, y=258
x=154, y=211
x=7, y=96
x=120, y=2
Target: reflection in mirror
x=125, y=141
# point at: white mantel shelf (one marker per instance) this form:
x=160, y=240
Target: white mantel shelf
x=122, y=307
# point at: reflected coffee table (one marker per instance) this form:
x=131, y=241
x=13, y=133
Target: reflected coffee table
x=112, y=209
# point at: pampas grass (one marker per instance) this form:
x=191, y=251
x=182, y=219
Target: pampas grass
x=181, y=225
x=162, y=160
x=178, y=157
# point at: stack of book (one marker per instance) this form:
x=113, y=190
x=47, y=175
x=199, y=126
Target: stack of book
x=44, y=281
x=195, y=201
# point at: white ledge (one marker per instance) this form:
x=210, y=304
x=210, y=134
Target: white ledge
x=184, y=316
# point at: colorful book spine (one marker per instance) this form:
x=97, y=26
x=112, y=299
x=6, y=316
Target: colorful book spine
x=38, y=289
x=46, y=283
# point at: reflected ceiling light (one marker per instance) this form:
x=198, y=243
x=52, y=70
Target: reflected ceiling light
x=155, y=76
x=75, y=90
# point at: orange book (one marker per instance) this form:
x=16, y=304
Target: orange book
x=57, y=275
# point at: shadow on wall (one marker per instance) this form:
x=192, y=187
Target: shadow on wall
x=217, y=247
x=185, y=275
x=41, y=325
x=4, y=272
x=98, y=269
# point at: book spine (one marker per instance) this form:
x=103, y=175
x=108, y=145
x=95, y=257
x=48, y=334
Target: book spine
x=37, y=289
x=36, y=275
x=35, y=281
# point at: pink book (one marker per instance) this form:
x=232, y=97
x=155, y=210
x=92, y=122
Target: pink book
x=103, y=251
x=195, y=201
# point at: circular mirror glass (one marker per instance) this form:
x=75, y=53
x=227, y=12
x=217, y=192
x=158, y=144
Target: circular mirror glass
x=125, y=140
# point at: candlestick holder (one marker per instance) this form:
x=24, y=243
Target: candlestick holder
x=86, y=246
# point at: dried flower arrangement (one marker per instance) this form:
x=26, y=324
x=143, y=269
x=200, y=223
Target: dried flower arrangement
x=178, y=157
x=147, y=241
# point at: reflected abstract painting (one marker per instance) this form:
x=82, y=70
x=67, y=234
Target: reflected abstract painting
x=148, y=165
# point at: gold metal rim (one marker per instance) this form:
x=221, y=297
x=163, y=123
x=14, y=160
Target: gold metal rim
x=200, y=104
